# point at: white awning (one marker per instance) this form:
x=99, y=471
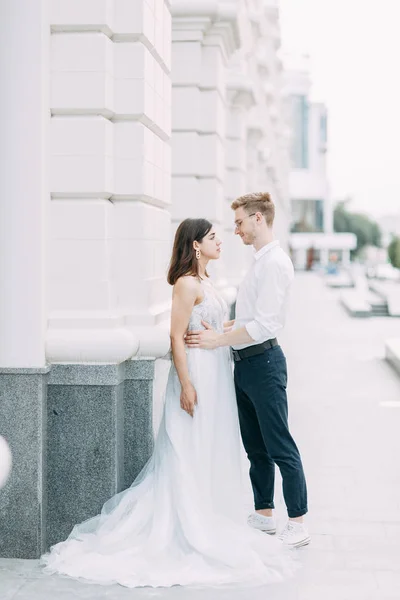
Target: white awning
x=323, y=241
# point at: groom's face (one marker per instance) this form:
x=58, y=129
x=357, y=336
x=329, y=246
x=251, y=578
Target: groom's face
x=245, y=226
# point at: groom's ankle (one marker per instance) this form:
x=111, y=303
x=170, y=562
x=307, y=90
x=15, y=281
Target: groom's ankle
x=265, y=512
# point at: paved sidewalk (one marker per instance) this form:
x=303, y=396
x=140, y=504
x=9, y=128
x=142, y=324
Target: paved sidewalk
x=345, y=417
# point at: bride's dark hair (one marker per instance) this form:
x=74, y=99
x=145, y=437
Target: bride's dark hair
x=183, y=259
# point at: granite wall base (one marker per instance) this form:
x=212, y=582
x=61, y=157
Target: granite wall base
x=79, y=434
x=23, y=419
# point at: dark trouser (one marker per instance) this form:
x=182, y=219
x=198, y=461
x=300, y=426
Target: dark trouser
x=260, y=383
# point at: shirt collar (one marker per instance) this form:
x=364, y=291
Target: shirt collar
x=265, y=249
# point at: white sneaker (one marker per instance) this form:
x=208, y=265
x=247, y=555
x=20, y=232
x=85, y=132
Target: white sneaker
x=295, y=535
x=266, y=524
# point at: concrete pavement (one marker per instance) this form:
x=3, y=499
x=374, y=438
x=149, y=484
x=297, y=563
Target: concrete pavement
x=345, y=416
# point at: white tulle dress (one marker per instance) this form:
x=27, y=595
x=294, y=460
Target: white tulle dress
x=182, y=522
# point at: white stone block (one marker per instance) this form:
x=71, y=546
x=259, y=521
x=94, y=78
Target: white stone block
x=158, y=183
x=159, y=110
x=159, y=34
x=167, y=89
x=149, y=184
x=167, y=41
x=210, y=156
x=132, y=259
x=212, y=74
x=134, y=140
x=81, y=150
x=186, y=111
x=186, y=159
x=211, y=199
x=81, y=52
x=133, y=220
x=82, y=295
x=236, y=123
x=159, y=291
x=235, y=183
x=133, y=178
x=151, y=4
x=78, y=260
x=82, y=93
x=212, y=112
x=158, y=9
x=140, y=303
x=167, y=189
x=133, y=295
x=185, y=192
x=134, y=61
x=167, y=158
x=134, y=98
x=158, y=152
x=228, y=215
x=162, y=256
x=79, y=219
x=197, y=198
x=167, y=120
x=81, y=13
x=159, y=79
x=81, y=136
x=235, y=154
x=186, y=63
x=129, y=60
x=134, y=19
x=81, y=176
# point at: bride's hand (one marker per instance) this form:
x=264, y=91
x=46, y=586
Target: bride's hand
x=188, y=399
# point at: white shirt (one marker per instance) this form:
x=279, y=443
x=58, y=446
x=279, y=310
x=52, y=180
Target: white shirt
x=262, y=299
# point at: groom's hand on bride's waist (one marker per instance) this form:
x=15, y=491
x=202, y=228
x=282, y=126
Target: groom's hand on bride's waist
x=206, y=340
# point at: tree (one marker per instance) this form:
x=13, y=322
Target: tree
x=302, y=227
x=366, y=230
x=394, y=252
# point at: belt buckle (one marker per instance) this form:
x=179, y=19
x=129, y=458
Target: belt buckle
x=236, y=355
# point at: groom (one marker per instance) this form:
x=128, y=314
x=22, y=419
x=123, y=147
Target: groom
x=260, y=370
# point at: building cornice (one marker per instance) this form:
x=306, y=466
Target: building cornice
x=212, y=21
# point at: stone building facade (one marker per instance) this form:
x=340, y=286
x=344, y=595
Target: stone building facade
x=119, y=119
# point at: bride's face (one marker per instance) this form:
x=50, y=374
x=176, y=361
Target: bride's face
x=210, y=245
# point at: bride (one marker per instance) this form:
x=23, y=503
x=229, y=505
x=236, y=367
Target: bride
x=182, y=520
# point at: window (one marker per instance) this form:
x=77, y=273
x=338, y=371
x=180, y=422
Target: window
x=323, y=129
x=300, y=110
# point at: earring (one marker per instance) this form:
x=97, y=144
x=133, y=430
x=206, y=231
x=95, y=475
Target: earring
x=198, y=254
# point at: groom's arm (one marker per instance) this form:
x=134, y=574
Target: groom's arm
x=235, y=337
x=266, y=323
x=210, y=339
x=271, y=294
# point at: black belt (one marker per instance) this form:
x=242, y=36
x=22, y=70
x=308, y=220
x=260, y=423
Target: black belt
x=254, y=350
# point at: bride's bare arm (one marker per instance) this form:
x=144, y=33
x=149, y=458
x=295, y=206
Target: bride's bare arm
x=186, y=291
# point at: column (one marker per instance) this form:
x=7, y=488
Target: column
x=110, y=230
x=110, y=184
x=23, y=182
x=346, y=257
x=202, y=40
x=241, y=98
x=24, y=110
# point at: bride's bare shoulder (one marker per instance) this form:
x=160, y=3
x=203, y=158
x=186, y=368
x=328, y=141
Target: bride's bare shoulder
x=187, y=284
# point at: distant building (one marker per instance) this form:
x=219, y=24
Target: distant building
x=311, y=207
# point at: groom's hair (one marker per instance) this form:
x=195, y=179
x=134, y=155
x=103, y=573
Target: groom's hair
x=257, y=202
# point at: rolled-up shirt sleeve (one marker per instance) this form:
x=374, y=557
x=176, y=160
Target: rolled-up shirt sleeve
x=271, y=294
